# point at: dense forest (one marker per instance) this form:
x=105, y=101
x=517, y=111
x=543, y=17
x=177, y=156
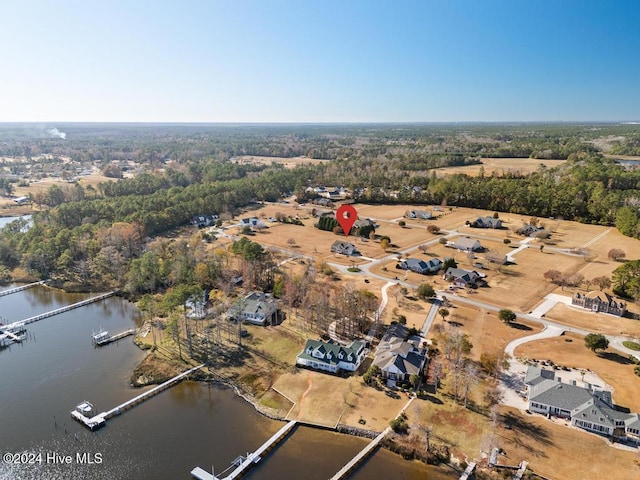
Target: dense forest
x=104, y=235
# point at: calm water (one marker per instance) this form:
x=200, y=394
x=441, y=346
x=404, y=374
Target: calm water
x=189, y=425
x=5, y=220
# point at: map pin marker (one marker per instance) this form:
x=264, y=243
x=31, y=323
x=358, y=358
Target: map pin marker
x=346, y=216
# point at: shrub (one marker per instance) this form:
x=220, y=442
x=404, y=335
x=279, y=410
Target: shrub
x=399, y=425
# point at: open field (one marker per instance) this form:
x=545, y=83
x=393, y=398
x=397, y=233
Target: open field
x=327, y=399
x=562, y=453
x=613, y=367
x=488, y=334
x=500, y=166
x=285, y=161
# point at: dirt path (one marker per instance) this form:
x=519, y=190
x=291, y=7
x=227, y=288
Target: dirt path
x=303, y=396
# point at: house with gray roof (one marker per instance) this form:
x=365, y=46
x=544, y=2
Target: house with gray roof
x=598, y=301
x=421, y=266
x=465, y=244
x=257, y=308
x=462, y=278
x=332, y=357
x=346, y=248
x=486, y=222
x=399, y=356
x=419, y=214
x=588, y=408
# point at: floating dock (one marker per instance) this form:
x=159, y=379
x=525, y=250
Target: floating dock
x=21, y=288
x=521, y=469
x=102, y=337
x=99, y=420
x=251, y=459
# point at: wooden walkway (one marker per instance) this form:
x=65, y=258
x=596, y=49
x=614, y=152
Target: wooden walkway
x=251, y=459
x=58, y=311
x=345, y=471
x=467, y=473
x=116, y=337
x=521, y=470
x=19, y=289
x=101, y=418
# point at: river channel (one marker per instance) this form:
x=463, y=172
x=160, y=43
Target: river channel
x=192, y=424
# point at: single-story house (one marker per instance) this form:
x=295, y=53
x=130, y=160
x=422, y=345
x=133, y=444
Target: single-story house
x=598, y=301
x=346, y=248
x=587, y=408
x=462, y=278
x=466, y=244
x=419, y=214
x=486, y=222
x=257, y=308
x=400, y=356
x=420, y=266
x=528, y=230
x=331, y=356
x=21, y=200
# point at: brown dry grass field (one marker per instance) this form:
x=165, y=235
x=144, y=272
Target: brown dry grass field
x=488, y=334
x=596, y=322
x=286, y=162
x=501, y=166
x=613, y=367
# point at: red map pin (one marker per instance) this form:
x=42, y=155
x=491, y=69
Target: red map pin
x=346, y=216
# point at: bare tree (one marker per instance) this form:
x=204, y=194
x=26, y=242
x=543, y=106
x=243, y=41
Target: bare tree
x=616, y=254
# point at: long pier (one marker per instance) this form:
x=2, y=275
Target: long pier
x=251, y=458
x=100, y=419
x=469, y=470
x=58, y=311
x=22, y=287
x=114, y=338
x=345, y=471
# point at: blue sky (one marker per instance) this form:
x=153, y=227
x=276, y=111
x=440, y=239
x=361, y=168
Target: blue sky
x=320, y=61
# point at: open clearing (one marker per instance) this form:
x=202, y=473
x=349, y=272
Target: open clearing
x=595, y=322
x=500, y=167
x=285, y=161
x=613, y=367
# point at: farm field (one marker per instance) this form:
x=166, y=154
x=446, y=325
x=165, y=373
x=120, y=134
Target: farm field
x=500, y=167
x=287, y=162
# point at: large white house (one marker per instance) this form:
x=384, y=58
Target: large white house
x=257, y=308
x=587, y=407
x=332, y=357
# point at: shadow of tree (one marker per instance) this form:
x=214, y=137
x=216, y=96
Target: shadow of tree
x=615, y=357
x=520, y=326
x=526, y=428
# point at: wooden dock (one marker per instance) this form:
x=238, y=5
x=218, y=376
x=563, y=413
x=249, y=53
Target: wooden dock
x=251, y=458
x=345, y=471
x=58, y=311
x=469, y=470
x=114, y=338
x=521, y=470
x=100, y=419
x=21, y=288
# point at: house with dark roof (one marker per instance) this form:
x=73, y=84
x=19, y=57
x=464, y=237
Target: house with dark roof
x=399, y=356
x=345, y=248
x=528, y=230
x=202, y=221
x=257, y=308
x=253, y=222
x=598, y=301
x=332, y=357
x=486, y=222
x=588, y=408
x=420, y=266
x=462, y=278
